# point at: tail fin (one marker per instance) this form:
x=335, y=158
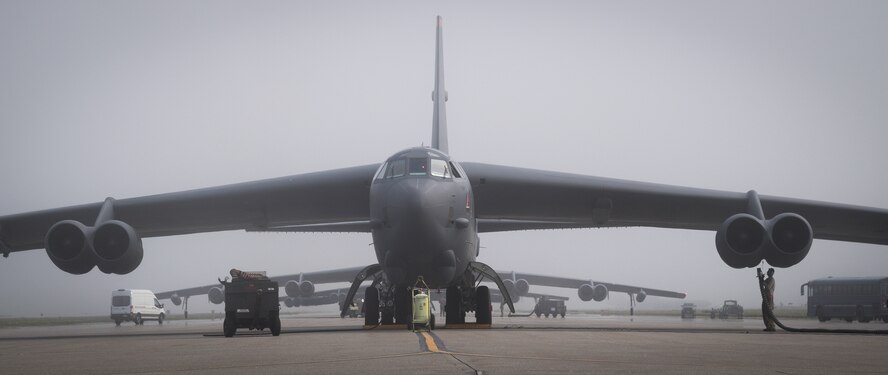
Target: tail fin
x=439, y=96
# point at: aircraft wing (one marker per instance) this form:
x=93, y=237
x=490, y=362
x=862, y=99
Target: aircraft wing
x=566, y=282
x=510, y=198
x=317, y=277
x=328, y=197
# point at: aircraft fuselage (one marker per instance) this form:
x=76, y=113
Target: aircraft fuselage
x=421, y=210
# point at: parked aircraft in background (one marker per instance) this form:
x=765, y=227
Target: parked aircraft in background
x=300, y=289
x=425, y=211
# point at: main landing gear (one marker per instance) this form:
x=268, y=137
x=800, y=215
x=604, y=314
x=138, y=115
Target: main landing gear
x=385, y=303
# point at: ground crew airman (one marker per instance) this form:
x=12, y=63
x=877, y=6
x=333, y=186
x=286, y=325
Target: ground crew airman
x=767, y=286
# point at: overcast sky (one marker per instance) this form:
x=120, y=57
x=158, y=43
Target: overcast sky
x=126, y=99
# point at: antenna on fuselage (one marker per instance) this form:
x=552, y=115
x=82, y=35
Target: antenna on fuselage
x=439, y=116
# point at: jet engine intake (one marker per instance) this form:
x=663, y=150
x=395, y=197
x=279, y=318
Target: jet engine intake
x=216, y=295
x=288, y=302
x=69, y=247
x=783, y=241
x=118, y=247
x=595, y=292
x=640, y=296
x=791, y=236
x=306, y=288
x=295, y=289
x=741, y=241
x=176, y=299
x=522, y=287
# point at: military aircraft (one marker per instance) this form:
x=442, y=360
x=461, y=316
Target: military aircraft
x=425, y=212
x=299, y=289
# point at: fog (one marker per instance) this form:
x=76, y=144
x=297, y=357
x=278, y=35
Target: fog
x=126, y=99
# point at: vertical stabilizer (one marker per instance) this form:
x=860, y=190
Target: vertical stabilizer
x=439, y=96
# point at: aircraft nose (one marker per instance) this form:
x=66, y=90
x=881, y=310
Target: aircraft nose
x=415, y=202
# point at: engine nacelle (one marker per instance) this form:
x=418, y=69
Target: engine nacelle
x=117, y=246
x=791, y=236
x=522, y=287
x=176, y=299
x=640, y=296
x=292, y=289
x=69, y=247
x=288, y=302
x=216, y=295
x=306, y=288
x=741, y=241
x=596, y=292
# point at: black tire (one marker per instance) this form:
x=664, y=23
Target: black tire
x=117, y=322
x=453, y=308
x=539, y=314
x=274, y=319
x=371, y=306
x=432, y=321
x=819, y=313
x=160, y=319
x=402, y=306
x=482, y=306
x=229, y=326
x=138, y=319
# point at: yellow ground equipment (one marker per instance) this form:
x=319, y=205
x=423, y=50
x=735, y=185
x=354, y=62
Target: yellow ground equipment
x=421, y=312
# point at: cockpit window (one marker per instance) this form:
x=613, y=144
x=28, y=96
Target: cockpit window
x=419, y=166
x=454, y=170
x=440, y=168
x=396, y=168
x=380, y=174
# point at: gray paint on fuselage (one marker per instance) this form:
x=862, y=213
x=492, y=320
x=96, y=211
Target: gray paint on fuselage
x=417, y=234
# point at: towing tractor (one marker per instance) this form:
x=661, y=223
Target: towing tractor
x=251, y=301
x=550, y=306
x=730, y=309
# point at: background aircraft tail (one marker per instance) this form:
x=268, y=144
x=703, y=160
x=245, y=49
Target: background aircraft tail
x=439, y=96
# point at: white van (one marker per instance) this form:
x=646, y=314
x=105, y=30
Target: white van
x=135, y=305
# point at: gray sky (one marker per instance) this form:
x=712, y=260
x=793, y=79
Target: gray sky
x=127, y=99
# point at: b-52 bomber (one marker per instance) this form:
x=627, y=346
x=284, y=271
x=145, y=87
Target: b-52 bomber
x=425, y=212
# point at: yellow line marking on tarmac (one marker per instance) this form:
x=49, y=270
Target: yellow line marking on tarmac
x=430, y=342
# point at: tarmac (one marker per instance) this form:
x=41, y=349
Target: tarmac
x=322, y=344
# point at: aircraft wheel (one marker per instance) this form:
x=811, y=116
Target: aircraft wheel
x=402, y=305
x=371, y=306
x=453, y=307
x=228, y=327
x=275, y=323
x=482, y=305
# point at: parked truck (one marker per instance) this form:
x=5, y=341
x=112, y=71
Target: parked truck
x=251, y=301
x=730, y=309
x=549, y=306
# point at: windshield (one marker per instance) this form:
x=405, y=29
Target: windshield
x=120, y=301
x=417, y=167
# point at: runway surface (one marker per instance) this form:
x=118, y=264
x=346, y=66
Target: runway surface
x=323, y=344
